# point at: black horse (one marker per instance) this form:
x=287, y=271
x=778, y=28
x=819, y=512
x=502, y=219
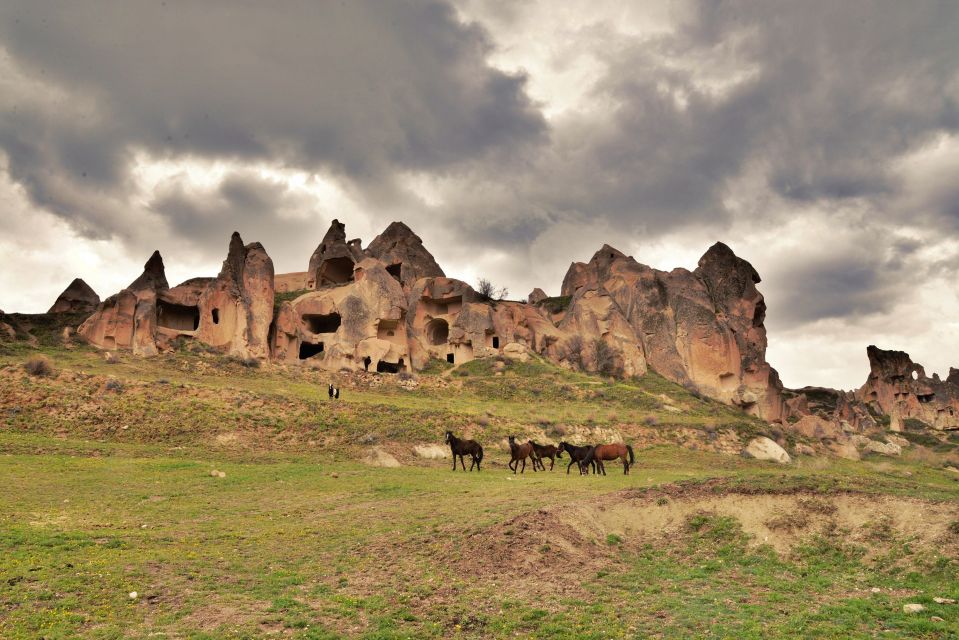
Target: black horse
x=462, y=448
x=576, y=455
x=545, y=451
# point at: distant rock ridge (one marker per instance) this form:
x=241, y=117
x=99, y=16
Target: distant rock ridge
x=77, y=297
x=390, y=308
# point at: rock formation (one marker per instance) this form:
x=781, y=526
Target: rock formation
x=389, y=308
x=900, y=388
x=77, y=297
x=232, y=311
x=702, y=328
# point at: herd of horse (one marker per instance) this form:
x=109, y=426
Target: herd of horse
x=587, y=457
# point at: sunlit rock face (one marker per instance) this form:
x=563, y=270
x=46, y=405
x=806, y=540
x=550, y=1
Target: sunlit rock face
x=233, y=311
x=900, y=388
x=390, y=308
x=702, y=328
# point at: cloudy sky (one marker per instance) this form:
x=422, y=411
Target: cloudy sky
x=820, y=140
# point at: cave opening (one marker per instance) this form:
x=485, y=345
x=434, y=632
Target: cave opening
x=450, y=358
x=496, y=342
x=178, y=316
x=925, y=397
x=389, y=367
x=322, y=323
x=215, y=314
x=335, y=271
x=438, y=331
x=366, y=363
x=395, y=270
x=310, y=349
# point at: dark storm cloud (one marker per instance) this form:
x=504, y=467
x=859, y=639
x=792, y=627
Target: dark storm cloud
x=359, y=89
x=812, y=102
x=260, y=209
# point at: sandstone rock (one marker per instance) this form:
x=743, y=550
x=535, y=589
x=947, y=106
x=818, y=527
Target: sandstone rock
x=844, y=450
x=901, y=389
x=516, y=351
x=77, y=297
x=404, y=255
x=940, y=600
x=763, y=448
x=913, y=608
x=801, y=449
x=812, y=426
x=431, y=451
x=536, y=295
x=377, y=457
x=234, y=311
x=332, y=262
x=883, y=448
x=899, y=440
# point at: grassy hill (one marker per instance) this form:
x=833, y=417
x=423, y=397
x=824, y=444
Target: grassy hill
x=108, y=490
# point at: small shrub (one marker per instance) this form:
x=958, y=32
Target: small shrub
x=612, y=416
x=572, y=351
x=488, y=291
x=651, y=421
x=662, y=501
x=404, y=376
x=482, y=421
x=38, y=366
x=954, y=528
x=111, y=358
x=613, y=540
x=114, y=385
x=607, y=359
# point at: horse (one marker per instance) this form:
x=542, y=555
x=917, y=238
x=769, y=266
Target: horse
x=610, y=452
x=519, y=453
x=576, y=454
x=541, y=451
x=462, y=448
x=331, y=391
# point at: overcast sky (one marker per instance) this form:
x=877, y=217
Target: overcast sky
x=820, y=140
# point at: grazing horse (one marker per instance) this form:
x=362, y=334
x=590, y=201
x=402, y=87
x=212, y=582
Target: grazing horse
x=462, y=448
x=519, y=453
x=576, y=454
x=331, y=391
x=541, y=451
x=610, y=452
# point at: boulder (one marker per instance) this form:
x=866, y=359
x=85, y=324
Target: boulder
x=801, y=449
x=844, y=450
x=77, y=297
x=516, y=351
x=763, y=448
x=377, y=457
x=883, y=448
x=815, y=427
x=431, y=451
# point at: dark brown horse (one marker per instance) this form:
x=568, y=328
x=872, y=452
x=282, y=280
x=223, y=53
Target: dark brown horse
x=462, y=448
x=541, y=451
x=576, y=455
x=519, y=453
x=610, y=452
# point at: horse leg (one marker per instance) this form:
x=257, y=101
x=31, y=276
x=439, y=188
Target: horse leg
x=625, y=465
x=462, y=464
x=552, y=461
x=571, y=462
x=454, y=462
x=524, y=466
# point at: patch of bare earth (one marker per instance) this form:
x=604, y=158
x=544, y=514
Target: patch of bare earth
x=542, y=549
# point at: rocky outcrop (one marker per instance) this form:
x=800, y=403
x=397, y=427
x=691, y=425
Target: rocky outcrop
x=536, y=296
x=128, y=319
x=404, y=255
x=763, y=448
x=900, y=388
x=77, y=297
x=703, y=329
x=333, y=260
x=236, y=309
x=232, y=311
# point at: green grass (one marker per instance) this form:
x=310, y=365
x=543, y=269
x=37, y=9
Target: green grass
x=284, y=546
x=107, y=490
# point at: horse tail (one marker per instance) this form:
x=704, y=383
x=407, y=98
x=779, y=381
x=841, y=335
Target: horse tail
x=632, y=458
x=479, y=458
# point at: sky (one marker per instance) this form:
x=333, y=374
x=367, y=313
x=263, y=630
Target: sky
x=818, y=139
